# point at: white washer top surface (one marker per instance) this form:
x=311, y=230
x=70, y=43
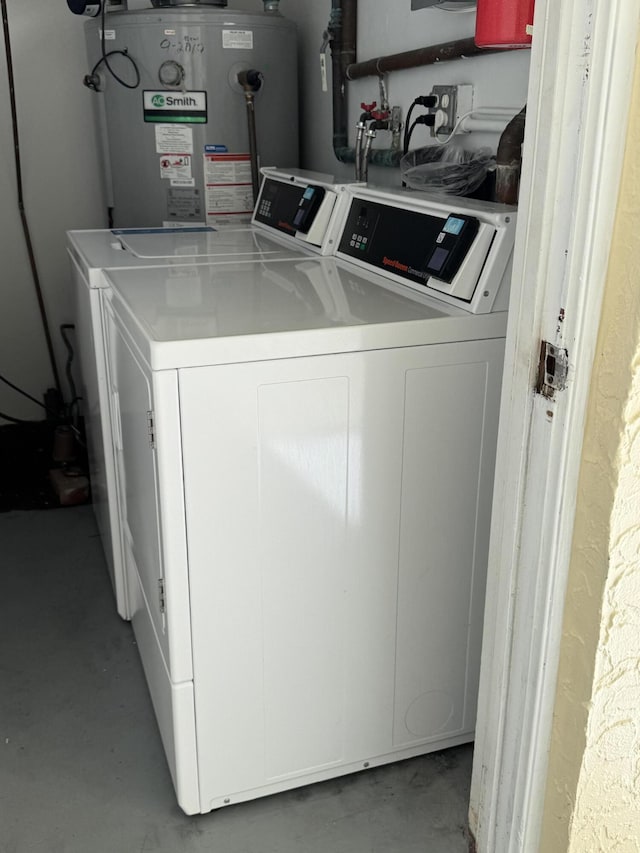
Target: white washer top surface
x=217, y=314
x=105, y=249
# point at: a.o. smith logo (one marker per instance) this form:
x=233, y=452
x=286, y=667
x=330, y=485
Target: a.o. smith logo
x=178, y=106
x=171, y=101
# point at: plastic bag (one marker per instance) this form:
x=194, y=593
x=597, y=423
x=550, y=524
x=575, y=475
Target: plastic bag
x=446, y=168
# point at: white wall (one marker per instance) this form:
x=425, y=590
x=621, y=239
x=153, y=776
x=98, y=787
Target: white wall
x=61, y=188
x=61, y=178
x=384, y=27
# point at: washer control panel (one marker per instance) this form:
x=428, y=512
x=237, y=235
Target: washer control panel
x=457, y=250
x=414, y=245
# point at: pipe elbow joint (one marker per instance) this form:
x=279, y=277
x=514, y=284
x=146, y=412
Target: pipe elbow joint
x=510, y=144
x=250, y=79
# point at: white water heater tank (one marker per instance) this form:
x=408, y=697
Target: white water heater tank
x=173, y=116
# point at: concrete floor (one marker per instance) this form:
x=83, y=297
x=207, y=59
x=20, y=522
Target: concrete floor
x=82, y=768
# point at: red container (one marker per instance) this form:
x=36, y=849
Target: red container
x=503, y=23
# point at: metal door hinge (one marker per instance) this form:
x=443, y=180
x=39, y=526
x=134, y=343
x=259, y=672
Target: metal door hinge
x=161, y=595
x=553, y=369
x=151, y=429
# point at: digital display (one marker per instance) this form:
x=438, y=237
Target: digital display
x=453, y=225
x=308, y=193
x=437, y=259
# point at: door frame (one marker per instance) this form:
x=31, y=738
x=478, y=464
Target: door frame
x=582, y=63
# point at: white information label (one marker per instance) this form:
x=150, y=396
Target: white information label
x=174, y=139
x=183, y=182
x=109, y=35
x=229, y=199
x=238, y=39
x=175, y=166
x=228, y=188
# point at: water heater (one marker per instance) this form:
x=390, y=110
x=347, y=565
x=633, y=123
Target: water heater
x=504, y=23
x=173, y=111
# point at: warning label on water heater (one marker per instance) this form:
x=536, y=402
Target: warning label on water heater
x=175, y=166
x=228, y=188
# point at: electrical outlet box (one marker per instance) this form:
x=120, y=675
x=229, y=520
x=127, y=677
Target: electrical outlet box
x=453, y=103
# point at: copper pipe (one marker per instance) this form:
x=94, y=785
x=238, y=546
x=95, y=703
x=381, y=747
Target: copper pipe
x=460, y=49
x=251, y=81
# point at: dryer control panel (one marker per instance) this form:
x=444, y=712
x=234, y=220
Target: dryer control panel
x=458, y=250
x=288, y=207
x=299, y=205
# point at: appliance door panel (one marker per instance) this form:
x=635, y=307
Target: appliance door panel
x=306, y=484
x=95, y=399
x=134, y=436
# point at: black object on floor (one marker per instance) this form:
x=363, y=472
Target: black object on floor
x=26, y=451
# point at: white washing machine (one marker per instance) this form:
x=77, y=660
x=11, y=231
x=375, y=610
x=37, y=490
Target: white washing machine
x=295, y=208
x=305, y=454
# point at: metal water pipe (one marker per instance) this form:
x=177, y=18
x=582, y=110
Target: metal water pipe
x=342, y=34
x=251, y=81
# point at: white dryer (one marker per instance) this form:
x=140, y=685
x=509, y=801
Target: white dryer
x=295, y=207
x=305, y=452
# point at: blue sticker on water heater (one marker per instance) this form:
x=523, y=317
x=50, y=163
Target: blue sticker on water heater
x=215, y=149
x=127, y=232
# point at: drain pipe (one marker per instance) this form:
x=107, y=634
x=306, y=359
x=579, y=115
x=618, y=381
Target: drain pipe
x=251, y=80
x=342, y=34
x=509, y=160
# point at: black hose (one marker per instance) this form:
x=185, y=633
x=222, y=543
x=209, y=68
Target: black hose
x=105, y=55
x=13, y=420
x=20, y=391
x=67, y=343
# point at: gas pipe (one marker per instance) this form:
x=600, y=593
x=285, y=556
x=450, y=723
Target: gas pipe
x=504, y=23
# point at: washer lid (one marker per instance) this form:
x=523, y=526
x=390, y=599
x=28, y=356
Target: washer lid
x=217, y=314
x=154, y=243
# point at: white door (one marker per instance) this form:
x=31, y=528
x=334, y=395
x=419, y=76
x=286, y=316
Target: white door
x=582, y=66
